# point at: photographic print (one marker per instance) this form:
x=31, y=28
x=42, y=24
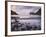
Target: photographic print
x=25, y=18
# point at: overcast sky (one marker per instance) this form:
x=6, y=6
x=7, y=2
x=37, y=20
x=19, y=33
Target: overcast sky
x=24, y=10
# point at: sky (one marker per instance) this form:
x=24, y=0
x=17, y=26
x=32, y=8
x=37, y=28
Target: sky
x=24, y=10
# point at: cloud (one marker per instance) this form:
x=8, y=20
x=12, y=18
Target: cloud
x=25, y=10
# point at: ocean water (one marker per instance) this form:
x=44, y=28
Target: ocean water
x=23, y=24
